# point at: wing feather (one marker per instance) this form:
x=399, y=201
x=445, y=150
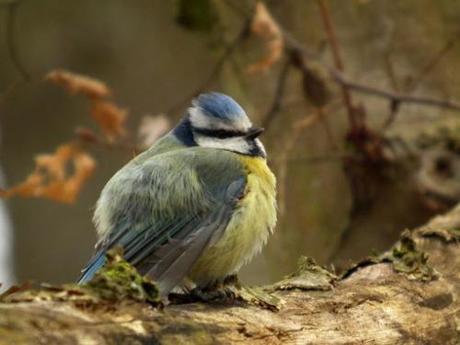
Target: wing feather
x=198, y=205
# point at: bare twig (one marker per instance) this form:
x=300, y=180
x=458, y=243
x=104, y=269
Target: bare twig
x=10, y=22
x=394, y=108
x=332, y=39
x=395, y=98
x=294, y=45
x=87, y=137
x=330, y=32
x=278, y=97
x=391, y=72
x=327, y=128
x=432, y=63
x=11, y=48
x=395, y=86
x=289, y=145
x=283, y=159
x=229, y=50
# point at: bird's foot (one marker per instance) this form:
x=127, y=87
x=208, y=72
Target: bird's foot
x=230, y=292
x=221, y=295
x=232, y=280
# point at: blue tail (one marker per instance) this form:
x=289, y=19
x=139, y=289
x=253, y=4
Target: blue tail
x=93, y=266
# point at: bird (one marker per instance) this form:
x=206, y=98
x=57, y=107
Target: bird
x=196, y=206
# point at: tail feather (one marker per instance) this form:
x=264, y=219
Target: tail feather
x=93, y=266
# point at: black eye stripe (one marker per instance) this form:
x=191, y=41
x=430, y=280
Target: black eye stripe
x=219, y=133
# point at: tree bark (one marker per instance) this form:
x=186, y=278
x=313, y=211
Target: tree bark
x=409, y=295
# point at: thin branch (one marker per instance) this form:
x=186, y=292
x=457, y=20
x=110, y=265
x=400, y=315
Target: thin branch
x=289, y=145
x=395, y=98
x=394, y=108
x=432, y=63
x=278, y=97
x=334, y=44
x=327, y=128
x=294, y=45
x=391, y=72
x=217, y=67
x=330, y=31
x=85, y=136
x=10, y=23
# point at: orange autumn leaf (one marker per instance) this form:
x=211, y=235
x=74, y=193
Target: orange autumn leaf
x=52, y=179
x=79, y=84
x=265, y=26
x=109, y=117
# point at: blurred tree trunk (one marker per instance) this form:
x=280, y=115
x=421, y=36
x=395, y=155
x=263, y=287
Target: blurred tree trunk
x=410, y=295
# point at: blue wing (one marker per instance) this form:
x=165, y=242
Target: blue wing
x=164, y=220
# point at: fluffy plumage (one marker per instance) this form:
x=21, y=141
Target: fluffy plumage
x=186, y=208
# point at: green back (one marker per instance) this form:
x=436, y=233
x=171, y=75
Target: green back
x=167, y=205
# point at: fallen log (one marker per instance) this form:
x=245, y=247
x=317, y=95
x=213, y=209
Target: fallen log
x=409, y=295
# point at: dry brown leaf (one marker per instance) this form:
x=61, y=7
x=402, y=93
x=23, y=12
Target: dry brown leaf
x=151, y=129
x=266, y=27
x=87, y=135
x=109, y=117
x=79, y=84
x=52, y=179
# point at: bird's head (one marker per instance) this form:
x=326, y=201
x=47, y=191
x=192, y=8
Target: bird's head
x=215, y=120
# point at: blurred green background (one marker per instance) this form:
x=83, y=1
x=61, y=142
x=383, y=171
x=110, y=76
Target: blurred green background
x=153, y=62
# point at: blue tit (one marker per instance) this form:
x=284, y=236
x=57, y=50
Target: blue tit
x=197, y=205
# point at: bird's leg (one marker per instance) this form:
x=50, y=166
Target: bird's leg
x=232, y=280
x=228, y=291
x=216, y=292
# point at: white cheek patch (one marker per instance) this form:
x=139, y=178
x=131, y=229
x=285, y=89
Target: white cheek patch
x=200, y=120
x=235, y=144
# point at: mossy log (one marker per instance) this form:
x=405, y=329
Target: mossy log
x=409, y=295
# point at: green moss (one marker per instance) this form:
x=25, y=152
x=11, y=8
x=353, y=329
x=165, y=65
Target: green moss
x=405, y=258
x=409, y=260
x=118, y=280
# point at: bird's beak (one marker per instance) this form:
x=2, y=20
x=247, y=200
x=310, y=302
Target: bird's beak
x=254, y=132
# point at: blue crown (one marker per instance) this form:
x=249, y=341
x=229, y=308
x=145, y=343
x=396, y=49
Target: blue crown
x=219, y=105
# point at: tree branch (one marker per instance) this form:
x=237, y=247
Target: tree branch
x=278, y=95
x=332, y=39
x=409, y=295
x=395, y=98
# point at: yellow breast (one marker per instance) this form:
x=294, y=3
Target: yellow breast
x=248, y=230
